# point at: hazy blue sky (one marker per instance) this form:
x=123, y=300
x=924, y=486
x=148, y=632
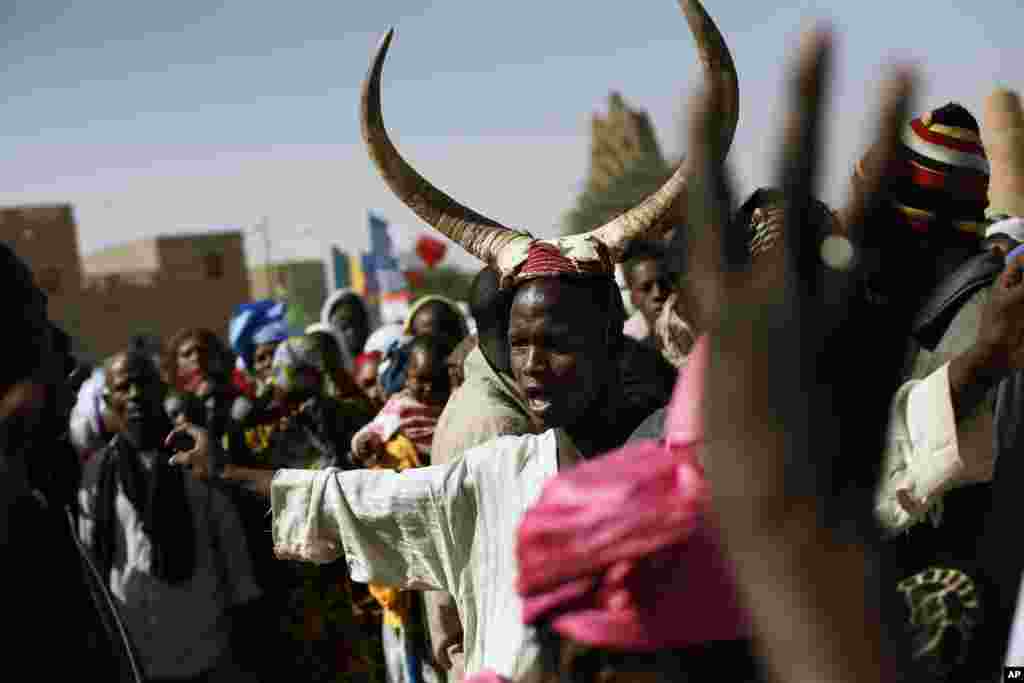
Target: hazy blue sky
x=155, y=117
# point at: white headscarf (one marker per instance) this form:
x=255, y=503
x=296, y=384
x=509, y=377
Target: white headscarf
x=86, y=424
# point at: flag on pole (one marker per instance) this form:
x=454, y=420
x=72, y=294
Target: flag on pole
x=340, y=275
x=389, y=280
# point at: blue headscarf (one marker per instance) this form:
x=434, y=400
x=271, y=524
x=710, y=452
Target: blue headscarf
x=259, y=322
x=393, y=367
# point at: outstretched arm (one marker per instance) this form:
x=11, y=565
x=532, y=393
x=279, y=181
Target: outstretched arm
x=400, y=529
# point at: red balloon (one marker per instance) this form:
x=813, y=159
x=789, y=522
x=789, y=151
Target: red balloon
x=430, y=250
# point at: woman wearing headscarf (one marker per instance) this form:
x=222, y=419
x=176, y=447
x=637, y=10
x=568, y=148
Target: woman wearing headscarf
x=347, y=313
x=196, y=361
x=255, y=332
x=435, y=315
x=430, y=316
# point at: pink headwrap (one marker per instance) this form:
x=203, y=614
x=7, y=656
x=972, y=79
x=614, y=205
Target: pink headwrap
x=618, y=553
x=486, y=676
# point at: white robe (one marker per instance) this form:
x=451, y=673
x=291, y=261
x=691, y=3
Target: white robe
x=448, y=527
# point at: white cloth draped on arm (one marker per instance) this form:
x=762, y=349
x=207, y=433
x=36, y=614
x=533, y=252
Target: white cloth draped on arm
x=446, y=527
x=928, y=452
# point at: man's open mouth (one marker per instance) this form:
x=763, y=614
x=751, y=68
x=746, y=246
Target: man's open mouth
x=538, y=400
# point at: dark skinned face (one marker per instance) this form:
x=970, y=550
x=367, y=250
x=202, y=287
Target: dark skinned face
x=558, y=350
x=435, y=320
x=347, y=317
x=366, y=379
x=263, y=359
x=135, y=397
x=427, y=379
x=194, y=356
x=649, y=287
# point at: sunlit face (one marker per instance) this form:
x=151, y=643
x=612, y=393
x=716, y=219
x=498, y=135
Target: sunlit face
x=649, y=288
x=263, y=360
x=559, y=349
x=350, y=321
x=135, y=395
x=426, y=379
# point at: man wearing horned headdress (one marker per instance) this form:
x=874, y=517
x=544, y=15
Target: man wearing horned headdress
x=452, y=527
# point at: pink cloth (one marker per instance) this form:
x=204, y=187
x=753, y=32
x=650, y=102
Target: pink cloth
x=486, y=676
x=618, y=552
x=402, y=414
x=683, y=423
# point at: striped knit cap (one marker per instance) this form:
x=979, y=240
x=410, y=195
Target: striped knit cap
x=941, y=173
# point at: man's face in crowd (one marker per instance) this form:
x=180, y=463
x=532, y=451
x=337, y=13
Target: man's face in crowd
x=366, y=379
x=263, y=360
x=649, y=288
x=348, y=318
x=135, y=397
x=436, y=320
x=559, y=350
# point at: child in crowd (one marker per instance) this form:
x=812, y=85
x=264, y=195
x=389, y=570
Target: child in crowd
x=398, y=438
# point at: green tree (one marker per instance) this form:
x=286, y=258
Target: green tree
x=626, y=165
x=448, y=281
x=598, y=205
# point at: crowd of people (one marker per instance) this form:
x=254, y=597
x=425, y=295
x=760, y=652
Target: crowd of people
x=794, y=461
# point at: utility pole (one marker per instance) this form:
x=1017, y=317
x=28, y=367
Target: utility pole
x=264, y=227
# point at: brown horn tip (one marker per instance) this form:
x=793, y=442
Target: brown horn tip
x=479, y=235
x=722, y=84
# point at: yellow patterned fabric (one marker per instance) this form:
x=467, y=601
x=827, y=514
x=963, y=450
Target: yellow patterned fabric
x=401, y=454
x=943, y=611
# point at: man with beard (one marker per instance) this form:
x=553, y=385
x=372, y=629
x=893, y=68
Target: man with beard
x=451, y=527
x=171, y=547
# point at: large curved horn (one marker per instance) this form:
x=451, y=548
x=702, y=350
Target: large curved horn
x=722, y=85
x=476, y=233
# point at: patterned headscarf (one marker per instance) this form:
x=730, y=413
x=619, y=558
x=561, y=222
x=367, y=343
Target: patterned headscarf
x=259, y=322
x=299, y=368
x=434, y=298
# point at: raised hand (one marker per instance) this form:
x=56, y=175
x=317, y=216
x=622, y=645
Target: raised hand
x=200, y=457
x=789, y=335
x=797, y=392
